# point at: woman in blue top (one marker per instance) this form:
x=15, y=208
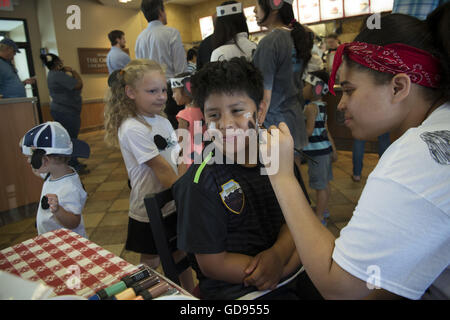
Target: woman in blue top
x=282, y=56
x=64, y=85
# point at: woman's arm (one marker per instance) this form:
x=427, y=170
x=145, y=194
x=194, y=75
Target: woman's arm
x=77, y=77
x=314, y=242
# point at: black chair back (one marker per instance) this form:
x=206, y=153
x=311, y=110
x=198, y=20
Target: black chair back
x=164, y=231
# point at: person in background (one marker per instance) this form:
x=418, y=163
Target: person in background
x=135, y=100
x=321, y=149
x=117, y=58
x=205, y=48
x=316, y=62
x=49, y=148
x=10, y=84
x=332, y=42
x=282, y=56
x=64, y=85
x=416, y=8
x=191, y=57
x=230, y=38
x=190, y=118
x=358, y=154
x=162, y=44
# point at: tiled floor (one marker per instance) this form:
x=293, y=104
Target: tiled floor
x=106, y=210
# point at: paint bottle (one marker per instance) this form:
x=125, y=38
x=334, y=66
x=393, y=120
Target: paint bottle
x=131, y=293
x=142, y=273
x=154, y=292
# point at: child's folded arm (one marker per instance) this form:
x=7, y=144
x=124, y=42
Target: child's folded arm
x=225, y=266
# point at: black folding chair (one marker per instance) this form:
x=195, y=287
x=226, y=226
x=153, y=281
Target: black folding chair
x=164, y=231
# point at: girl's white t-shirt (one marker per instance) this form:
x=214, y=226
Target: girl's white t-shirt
x=139, y=144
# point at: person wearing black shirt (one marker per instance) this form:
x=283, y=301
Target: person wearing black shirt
x=229, y=220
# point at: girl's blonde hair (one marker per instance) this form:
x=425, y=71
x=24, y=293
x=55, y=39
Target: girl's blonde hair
x=118, y=106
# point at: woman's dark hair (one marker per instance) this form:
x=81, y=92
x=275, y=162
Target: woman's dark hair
x=430, y=35
x=151, y=9
x=191, y=54
x=50, y=60
x=114, y=35
x=303, y=40
x=227, y=27
x=322, y=75
x=227, y=76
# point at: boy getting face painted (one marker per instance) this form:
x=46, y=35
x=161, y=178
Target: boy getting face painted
x=224, y=207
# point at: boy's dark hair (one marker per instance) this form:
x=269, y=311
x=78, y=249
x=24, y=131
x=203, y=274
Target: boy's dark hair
x=151, y=9
x=322, y=75
x=227, y=27
x=227, y=76
x=114, y=35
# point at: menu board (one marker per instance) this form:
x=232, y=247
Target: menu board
x=356, y=7
x=206, y=26
x=331, y=9
x=251, y=20
x=308, y=11
x=381, y=5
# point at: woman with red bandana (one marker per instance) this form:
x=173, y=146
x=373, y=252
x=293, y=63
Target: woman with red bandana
x=394, y=79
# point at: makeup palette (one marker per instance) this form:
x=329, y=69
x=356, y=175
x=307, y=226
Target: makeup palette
x=145, y=284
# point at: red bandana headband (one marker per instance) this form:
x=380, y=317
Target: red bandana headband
x=421, y=67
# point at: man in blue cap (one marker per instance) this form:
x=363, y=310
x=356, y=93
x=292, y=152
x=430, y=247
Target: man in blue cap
x=10, y=84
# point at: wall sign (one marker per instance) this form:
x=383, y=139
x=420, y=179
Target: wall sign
x=93, y=60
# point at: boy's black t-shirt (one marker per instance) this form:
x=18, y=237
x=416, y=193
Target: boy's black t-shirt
x=232, y=208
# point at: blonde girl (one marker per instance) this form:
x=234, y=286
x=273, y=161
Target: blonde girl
x=137, y=96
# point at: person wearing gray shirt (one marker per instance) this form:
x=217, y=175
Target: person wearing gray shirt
x=64, y=85
x=117, y=59
x=282, y=56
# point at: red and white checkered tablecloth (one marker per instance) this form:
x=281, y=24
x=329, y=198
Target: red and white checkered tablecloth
x=65, y=261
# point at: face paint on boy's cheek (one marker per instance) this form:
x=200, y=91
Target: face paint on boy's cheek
x=250, y=124
x=212, y=127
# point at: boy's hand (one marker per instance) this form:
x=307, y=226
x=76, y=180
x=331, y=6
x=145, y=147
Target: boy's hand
x=264, y=271
x=53, y=202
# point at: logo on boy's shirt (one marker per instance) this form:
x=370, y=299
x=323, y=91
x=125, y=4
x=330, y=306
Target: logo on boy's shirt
x=232, y=196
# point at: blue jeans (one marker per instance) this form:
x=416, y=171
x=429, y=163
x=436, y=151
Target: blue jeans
x=72, y=123
x=358, y=151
